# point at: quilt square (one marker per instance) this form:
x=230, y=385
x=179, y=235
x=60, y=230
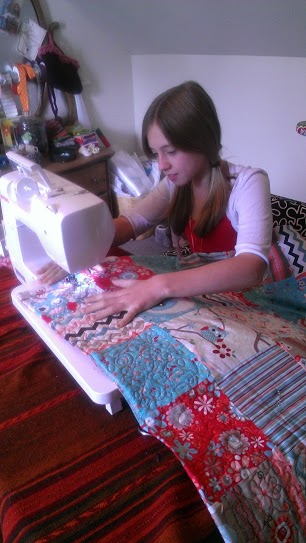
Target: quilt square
x=267, y=505
x=270, y=389
x=151, y=370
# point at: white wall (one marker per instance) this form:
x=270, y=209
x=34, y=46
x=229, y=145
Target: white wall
x=105, y=69
x=259, y=101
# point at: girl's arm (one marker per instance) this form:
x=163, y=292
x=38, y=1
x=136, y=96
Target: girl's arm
x=233, y=274
x=237, y=273
x=124, y=231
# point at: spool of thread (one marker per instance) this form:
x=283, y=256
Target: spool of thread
x=162, y=236
x=103, y=138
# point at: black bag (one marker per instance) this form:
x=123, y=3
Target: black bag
x=61, y=71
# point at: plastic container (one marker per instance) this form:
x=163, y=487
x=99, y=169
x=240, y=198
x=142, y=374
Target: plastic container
x=26, y=134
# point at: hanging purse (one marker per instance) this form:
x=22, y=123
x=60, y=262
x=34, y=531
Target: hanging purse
x=61, y=71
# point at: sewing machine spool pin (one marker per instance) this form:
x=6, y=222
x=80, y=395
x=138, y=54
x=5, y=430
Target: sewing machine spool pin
x=29, y=169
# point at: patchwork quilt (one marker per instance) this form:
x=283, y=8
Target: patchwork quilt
x=220, y=380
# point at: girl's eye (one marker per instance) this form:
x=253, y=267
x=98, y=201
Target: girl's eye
x=171, y=151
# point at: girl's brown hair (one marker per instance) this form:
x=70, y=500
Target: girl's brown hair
x=188, y=119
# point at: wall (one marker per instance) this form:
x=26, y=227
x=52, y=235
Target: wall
x=105, y=69
x=259, y=101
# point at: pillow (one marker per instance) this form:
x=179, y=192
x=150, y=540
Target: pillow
x=293, y=246
x=287, y=211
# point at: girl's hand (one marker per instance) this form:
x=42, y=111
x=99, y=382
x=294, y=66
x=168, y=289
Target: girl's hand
x=50, y=273
x=134, y=296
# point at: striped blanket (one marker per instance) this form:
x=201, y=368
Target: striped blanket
x=219, y=380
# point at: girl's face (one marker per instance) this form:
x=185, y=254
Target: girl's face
x=180, y=166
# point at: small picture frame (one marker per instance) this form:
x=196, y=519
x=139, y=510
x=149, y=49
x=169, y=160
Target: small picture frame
x=10, y=15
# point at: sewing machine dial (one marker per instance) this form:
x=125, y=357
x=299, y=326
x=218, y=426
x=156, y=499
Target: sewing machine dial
x=27, y=188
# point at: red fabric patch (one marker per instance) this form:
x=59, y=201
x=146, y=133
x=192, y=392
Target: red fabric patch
x=119, y=268
x=46, y=318
x=216, y=444
x=72, y=306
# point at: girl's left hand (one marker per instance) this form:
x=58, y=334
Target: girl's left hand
x=50, y=273
x=134, y=296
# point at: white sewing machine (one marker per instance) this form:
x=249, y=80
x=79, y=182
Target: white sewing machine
x=47, y=218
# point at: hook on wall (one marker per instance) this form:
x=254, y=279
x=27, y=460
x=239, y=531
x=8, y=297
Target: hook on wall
x=53, y=26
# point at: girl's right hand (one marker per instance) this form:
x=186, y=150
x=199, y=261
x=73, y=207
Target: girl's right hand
x=50, y=273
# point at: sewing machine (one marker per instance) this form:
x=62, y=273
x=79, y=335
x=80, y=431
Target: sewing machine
x=47, y=218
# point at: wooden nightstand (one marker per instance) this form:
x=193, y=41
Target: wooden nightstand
x=91, y=173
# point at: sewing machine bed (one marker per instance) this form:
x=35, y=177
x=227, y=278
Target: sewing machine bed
x=81, y=366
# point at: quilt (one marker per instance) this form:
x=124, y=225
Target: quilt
x=220, y=380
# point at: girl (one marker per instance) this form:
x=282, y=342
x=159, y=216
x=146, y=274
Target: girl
x=223, y=210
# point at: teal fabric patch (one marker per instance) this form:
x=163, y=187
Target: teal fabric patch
x=152, y=370
x=285, y=298
x=158, y=263
x=169, y=309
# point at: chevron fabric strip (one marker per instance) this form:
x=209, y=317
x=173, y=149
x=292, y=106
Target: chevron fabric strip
x=293, y=246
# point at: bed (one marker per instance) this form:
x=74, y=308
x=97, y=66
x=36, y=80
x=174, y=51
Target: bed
x=212, y=433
